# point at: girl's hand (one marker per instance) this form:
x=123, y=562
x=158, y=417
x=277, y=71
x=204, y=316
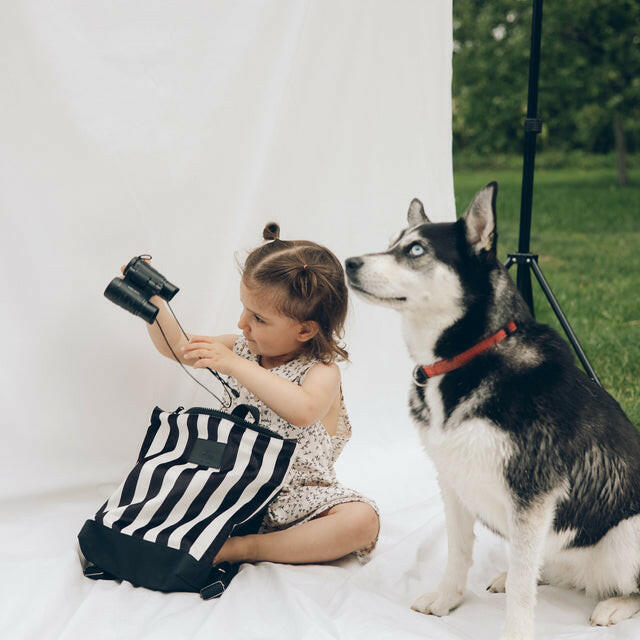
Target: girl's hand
x=205, y=352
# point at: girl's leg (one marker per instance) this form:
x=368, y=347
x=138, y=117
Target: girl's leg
x=344, y=528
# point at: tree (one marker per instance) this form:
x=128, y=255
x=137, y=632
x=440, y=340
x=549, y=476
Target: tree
x=489, y=75
x=606, y=40
x=589, y=91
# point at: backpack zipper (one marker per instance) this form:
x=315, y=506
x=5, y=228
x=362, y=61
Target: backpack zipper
x=227, y=416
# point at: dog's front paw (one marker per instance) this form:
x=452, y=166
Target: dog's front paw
x=498, y=584
x=437, y=603
x=614, y=610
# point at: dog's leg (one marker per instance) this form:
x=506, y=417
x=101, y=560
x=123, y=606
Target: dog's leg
x=460, y=542
x=528, y=529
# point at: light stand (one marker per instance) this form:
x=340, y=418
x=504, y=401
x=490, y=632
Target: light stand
x=524, y=259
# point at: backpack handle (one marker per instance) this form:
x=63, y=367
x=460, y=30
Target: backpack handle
x=242, y=410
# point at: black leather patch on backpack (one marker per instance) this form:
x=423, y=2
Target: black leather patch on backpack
x=207, y=453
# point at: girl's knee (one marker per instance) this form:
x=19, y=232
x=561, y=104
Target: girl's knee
x=365, y=521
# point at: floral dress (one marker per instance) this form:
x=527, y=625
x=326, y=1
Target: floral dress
x=311, y=486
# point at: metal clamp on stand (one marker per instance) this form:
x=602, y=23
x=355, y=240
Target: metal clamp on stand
x=533, y=124
x=530, y=260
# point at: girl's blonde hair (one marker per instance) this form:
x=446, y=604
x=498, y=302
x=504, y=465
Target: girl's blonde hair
x=309, y=284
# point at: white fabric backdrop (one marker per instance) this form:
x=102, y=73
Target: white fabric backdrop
x=179, y=129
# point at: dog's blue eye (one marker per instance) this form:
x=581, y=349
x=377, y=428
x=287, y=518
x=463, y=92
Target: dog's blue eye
x=415, y=250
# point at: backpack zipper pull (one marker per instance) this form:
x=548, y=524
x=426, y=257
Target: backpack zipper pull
x=178, y=410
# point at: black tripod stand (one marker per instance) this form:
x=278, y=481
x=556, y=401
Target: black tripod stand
x=524, y=259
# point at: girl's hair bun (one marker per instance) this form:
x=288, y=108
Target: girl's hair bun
x=271, y=231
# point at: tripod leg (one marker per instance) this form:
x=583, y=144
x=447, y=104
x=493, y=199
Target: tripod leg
x=523, y=282
x=563, y=321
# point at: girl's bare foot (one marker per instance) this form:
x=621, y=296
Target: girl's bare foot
x=235, y=549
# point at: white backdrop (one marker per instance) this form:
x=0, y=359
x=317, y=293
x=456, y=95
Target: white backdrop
x=179, y=129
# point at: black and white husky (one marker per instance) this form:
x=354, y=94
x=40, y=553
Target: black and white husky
x=522, y=440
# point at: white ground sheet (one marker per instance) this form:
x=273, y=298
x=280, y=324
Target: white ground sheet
x=179, y=129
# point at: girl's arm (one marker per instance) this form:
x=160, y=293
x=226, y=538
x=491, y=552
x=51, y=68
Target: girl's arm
x=174, y=334
x=172, y=331
x=300, y=405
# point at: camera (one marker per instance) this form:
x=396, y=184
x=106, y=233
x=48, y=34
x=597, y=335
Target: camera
x=140, y=282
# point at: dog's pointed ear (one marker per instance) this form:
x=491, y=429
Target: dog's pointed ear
x=480, y=220
x=416, y=214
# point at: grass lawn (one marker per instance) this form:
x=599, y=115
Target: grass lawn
x=586, y=231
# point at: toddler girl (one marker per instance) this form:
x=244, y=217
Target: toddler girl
x=294, y=306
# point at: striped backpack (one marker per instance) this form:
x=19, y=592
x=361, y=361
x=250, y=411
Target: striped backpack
x=201, y=476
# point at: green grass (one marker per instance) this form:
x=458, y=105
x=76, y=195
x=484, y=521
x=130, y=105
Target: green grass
x=586, y=231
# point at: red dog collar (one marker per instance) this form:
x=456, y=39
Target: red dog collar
x=423, y=372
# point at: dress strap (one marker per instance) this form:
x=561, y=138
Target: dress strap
x=241, y=347
x=304, y=368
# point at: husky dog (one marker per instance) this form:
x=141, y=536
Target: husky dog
x=522, y=440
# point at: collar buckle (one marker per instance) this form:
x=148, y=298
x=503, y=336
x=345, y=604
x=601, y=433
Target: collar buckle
x=419, y=376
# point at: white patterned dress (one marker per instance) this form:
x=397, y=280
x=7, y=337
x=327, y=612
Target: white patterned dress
x=311, y=485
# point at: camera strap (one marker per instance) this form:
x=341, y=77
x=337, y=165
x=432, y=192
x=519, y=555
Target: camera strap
x=226, y=386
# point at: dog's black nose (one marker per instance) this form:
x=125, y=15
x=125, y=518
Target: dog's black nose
x=353, y=264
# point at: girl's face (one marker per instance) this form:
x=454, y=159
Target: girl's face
x=269, y=332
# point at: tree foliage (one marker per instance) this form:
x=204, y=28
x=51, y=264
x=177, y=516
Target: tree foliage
x=589, y=74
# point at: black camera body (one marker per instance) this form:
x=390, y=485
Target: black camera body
x=140, y=282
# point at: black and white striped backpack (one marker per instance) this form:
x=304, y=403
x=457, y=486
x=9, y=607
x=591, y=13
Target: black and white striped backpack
x=201, y=476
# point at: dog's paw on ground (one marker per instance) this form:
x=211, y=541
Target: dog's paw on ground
x=615, y=610
x=498, y=584
x=437, y=603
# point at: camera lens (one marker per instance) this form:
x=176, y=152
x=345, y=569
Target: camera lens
x=123, y=294
x=142, y=275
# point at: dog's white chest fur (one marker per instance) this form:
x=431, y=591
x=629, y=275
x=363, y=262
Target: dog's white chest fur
x=469, y=454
